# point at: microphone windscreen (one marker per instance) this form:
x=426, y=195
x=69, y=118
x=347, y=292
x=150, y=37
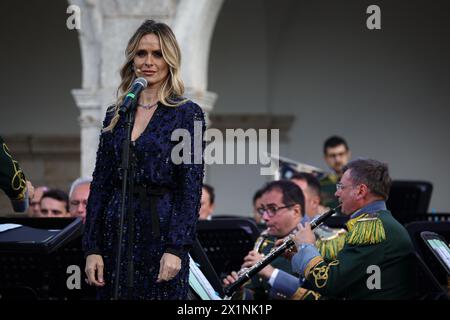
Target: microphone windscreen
x=141, y=81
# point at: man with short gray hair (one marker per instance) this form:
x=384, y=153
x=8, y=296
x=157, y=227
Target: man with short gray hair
x=377, y=259
x=78, y=197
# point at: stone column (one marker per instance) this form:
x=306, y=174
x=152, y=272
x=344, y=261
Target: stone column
x=193, y=26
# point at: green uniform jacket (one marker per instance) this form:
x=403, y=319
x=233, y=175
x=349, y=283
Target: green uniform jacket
x=12, y=179
x=373, y=241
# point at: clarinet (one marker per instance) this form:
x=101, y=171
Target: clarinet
x=258, y=243
x=287, y=244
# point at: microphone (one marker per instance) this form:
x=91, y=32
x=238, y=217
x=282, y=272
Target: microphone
x=138, y=85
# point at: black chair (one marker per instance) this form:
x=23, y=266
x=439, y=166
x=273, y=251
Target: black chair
x=226, y=242
x=261, y=226
x=408, y=199
x=225, y=216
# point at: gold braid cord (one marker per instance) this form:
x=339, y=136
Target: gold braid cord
x=320, y=274
x=299, y=294
x=304, y=294
x=316, y=296
x=18, y=181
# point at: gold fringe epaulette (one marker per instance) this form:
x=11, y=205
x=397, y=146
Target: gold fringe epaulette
x=329, y=247
x=366, y=229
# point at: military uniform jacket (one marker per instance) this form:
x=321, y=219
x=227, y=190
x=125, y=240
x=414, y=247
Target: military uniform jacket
x=375, y=262
x=329, y=242
x=12, y=179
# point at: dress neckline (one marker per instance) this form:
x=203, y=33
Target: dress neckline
x=147, y=126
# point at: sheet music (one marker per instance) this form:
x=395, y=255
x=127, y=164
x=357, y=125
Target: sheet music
x=200, y=284
x=9, y=226
x=442, y=249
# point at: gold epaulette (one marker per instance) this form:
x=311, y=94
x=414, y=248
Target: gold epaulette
x=330, y=246
x=366, y=229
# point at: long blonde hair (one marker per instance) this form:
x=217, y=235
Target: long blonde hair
x=171, y=91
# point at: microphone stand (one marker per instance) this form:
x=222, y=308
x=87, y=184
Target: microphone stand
x=127, y=169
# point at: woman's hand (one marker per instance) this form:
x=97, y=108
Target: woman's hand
x=169, y=266
x=94, y=270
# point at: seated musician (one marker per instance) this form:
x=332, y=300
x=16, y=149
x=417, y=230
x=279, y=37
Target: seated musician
x=282, y=208
x=336, y=154
x=376, y=260
x=328, y=241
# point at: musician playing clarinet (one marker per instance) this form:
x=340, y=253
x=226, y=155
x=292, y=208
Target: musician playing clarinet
x=376, y=261
x=282, y=208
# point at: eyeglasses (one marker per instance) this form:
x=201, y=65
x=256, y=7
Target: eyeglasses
x=271, y=210
x=340, y=186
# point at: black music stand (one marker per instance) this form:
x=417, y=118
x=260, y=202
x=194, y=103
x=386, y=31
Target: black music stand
x=407, y=199
x=34, y=259
x=414, y=230
x=226, y=242
x=439, y=246
x=33, y=237
x=198, y=254
x=427, y=286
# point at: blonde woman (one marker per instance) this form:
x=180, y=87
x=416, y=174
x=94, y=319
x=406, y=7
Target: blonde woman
x=167, y=195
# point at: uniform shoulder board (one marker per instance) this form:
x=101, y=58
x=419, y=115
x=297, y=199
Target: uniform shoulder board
x=366, y=229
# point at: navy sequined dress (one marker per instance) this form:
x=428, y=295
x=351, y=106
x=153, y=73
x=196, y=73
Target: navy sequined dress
x=177, y=204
